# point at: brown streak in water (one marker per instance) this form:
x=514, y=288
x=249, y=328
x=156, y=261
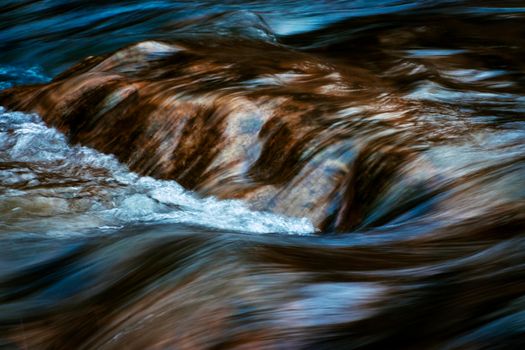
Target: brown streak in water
x=164, y=110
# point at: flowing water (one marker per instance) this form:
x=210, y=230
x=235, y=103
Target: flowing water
x=262, y=174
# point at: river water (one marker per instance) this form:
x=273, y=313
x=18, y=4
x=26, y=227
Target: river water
x=413, y=110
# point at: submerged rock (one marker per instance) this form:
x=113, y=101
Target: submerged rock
x=286, y=131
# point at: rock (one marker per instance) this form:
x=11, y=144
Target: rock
x=285, y=131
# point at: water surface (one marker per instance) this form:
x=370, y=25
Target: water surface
x=415, y=107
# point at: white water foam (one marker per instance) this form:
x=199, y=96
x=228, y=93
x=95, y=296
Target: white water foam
x=48, y=185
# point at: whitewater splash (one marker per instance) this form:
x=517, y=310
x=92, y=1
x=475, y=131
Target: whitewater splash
x=48, y=185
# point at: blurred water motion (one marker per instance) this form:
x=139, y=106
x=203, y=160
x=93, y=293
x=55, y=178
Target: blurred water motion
x=262, y=174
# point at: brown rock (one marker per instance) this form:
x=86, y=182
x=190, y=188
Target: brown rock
x=286, y=131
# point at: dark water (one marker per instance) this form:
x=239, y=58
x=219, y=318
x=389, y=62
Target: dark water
x=397, y=159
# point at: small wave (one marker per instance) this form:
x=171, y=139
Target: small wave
x=240, y=24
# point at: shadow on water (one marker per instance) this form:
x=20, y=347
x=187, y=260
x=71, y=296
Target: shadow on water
x=337, y=175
